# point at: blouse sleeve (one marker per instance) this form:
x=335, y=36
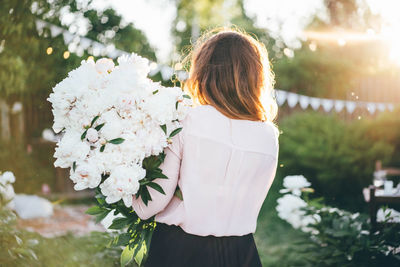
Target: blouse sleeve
x=170, y=167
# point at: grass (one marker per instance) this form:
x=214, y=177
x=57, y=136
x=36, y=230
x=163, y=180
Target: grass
x=73, y=251
x=23, y=248
x=275, y=240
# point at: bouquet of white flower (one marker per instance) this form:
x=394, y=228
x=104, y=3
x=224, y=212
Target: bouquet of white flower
x=116, y=124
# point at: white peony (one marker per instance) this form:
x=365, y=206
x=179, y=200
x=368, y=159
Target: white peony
x=162, y=105
x=6, y=189
x=294, y=184
x=113, y=125
x=290, y=209
x=86, y=175
x=135, y=62
x=92, y=135
x=104, y=65
x=129, y=106
x=122, y=184
x=70, y=149
x=7, y=177
x=7, y=192
x=391, y=214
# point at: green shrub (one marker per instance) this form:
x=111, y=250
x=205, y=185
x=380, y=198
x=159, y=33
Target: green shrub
x=386, y=127
x=337, y=237
x=337, y=157
x=13, y=248
x=345, y=239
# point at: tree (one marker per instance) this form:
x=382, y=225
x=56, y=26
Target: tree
x=195, y=17
x=32, y=61
x=350, y=14
x=108, y=27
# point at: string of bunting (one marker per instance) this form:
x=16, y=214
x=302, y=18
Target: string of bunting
x=78, y=44
x=293, y=99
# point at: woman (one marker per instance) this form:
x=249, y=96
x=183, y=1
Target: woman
x=224, y=160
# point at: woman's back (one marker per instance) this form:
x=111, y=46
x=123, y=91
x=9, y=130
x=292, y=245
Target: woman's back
x=227, y=167
x=224, y=160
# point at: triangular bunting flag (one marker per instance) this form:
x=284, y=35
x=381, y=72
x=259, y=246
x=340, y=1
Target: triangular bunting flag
x=381, y=106
x=292, y=99
x=40, y=25
x=371, y=107
x=68, y=37
x=350, y=106
x=327, y=104
x=166, y=73
x=304, y=101
x=315, y=103
x=339, y=105
x=281, y=97
x=55, y=30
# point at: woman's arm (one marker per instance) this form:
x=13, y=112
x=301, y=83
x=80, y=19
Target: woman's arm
x=170, y=167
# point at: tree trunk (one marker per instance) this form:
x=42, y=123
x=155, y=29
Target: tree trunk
x=5, y=120
x=17, y=122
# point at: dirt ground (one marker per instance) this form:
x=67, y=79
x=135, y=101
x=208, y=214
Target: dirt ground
x=65, y=219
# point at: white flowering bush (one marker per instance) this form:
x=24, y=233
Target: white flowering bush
x=116, y=123
x=338, y=237
x=7, y=193
x=291, y=207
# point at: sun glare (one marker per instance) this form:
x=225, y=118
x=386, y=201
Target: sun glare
x=394, y=53
x=390, y=27
x=389, y=32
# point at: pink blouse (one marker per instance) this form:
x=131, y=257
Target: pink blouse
x=224, y=168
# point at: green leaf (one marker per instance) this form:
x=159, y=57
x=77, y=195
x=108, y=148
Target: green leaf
x=94, y=210
x=145, y=195
x=148, y=233
x=176, y=105
x=94, y=120
x=98, y=127
x=122, y=239
x=140, y=254
x=117, y=141
x=102, y=148
x=83, y=135
x=175, y=132
x=101, y=216
x=187, y=96
x=164, y=128
x=153, y=162
x=156, y=187
x=126, y=256
x=119, y=223
x=178, y=193
x=155, y=174
x=155, y=92
x=74, y=166
x=101, y=201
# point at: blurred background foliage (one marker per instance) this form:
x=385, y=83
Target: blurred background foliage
x=336, y=152
x=337, y=156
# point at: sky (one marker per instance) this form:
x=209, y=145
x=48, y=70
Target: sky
x=283, y=18
x=153, y=17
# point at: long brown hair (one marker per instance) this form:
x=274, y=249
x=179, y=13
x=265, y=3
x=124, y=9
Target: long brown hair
x=230, y=70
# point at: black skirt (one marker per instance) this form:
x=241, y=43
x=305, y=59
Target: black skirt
x=171, y=246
